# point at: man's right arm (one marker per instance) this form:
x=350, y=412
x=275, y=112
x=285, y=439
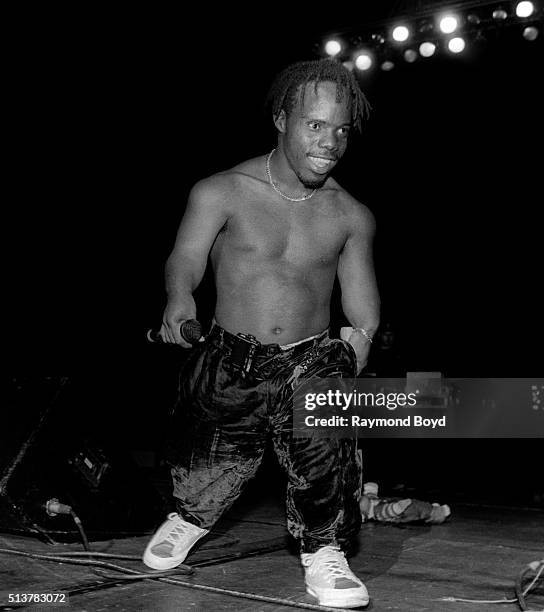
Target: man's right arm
x=207, y=212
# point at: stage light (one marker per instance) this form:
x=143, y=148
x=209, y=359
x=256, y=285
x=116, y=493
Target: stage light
x=400, y=33
x=427, y=49
x=363, y=61
x=425, y=26
x=378, y=39
x=448, y=24
x=530, y=33
x=456, y=45
x=524, y=9
x=500, y=14
x=356, y=41
x=420, y=35
x=333, y=47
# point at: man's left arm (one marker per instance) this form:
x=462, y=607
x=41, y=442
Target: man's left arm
x=360, y=298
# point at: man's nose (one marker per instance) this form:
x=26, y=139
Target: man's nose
x=328, y=141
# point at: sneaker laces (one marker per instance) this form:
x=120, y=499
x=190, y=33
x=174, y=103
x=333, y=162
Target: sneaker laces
x=174, y=536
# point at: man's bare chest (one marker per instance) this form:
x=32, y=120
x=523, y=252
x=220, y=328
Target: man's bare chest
x=297, y=235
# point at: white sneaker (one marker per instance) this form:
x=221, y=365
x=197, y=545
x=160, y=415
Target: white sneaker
x=171, y=543
x=328, y=577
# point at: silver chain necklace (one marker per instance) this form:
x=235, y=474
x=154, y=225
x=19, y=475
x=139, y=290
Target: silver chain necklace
x=275, y=188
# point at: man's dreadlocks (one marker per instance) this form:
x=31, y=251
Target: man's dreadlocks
x=289, y=87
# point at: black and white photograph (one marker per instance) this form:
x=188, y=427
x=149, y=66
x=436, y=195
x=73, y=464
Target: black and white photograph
x=275, y=325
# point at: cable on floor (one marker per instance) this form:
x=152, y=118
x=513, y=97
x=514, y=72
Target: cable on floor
x=536, y=566
x=238, y=594
x=161, y=576
x=183, y=569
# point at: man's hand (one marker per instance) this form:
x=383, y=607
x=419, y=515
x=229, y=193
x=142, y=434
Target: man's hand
x=173, y=317
x=360, y=345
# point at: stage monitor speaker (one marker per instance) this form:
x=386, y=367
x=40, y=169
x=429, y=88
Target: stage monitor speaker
x=48, y=451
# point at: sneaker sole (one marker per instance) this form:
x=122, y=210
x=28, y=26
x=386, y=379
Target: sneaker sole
x=339, y=601
x=161, y=564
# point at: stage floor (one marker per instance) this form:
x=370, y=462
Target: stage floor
x=477, y=554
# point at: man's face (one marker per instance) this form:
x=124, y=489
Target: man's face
x=315, y=133
x=387, y=339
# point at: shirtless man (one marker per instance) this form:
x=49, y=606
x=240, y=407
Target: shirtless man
x=278, y=228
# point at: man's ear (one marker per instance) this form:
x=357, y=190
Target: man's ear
x=280, y=121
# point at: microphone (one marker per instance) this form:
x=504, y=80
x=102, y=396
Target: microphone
x=191, y=331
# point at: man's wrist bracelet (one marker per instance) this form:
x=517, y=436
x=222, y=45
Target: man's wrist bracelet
x=363, y=331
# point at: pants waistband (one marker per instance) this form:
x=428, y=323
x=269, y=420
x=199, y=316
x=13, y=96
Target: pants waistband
x=222, y=337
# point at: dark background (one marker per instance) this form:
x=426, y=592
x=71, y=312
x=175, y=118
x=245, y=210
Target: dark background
x=115, y=116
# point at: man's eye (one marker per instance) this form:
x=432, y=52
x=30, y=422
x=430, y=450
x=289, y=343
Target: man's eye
x=343, y=131
x=313, y=125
